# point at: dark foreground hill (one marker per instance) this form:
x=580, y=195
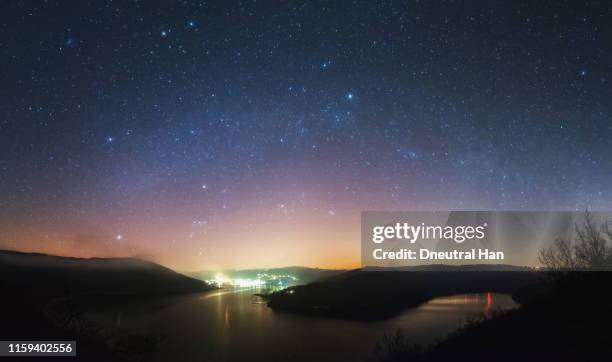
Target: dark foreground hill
x=41, y=295
x=568, y=321
x=54, y=275
x=362, y=294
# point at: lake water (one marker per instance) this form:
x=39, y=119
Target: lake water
x=238, y=326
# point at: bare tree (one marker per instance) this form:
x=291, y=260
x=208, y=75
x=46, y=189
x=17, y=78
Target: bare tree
x=591, y=249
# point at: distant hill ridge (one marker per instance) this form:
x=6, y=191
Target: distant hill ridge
x=369, y=295
x=50, y=274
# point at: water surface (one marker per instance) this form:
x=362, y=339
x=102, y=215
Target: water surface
x=232, y=325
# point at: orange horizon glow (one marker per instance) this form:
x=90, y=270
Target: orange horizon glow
x=258, y=235
x=329, y=265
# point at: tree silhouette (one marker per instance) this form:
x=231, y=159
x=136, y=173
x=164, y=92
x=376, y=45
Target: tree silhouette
x=590, y=249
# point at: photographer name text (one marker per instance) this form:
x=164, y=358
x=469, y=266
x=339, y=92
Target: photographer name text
x=426, y=254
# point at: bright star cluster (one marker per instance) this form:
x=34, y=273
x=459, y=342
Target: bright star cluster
x=245, y=134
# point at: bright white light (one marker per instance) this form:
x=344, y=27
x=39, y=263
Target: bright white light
x=221, y=280
x=245, y=283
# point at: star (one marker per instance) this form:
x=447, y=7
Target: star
x=148, y=116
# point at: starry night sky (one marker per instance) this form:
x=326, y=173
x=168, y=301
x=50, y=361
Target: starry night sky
x=246, y=134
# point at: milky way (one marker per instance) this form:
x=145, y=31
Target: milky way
x=239, y=134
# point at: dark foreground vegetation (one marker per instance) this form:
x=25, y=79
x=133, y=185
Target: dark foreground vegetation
x=41, y=295
x=381, y=294
x=567, y=320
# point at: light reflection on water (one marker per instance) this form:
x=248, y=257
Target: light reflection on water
x=485, y=302
x=236, y=325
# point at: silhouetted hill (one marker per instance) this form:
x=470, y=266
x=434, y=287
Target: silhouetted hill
x=54, y=275
x=362, y=294
x=40, y=295
x=567, y=321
